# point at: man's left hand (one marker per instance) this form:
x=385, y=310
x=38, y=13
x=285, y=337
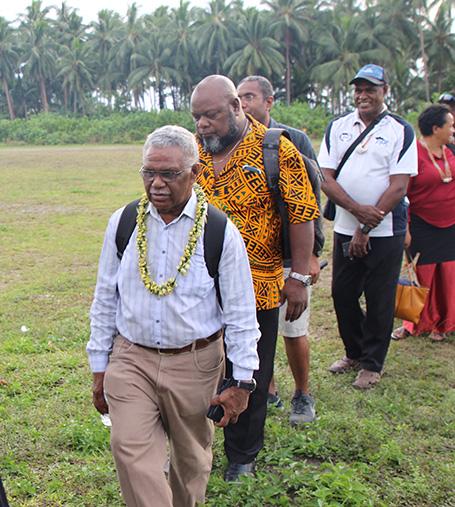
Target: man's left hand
x=234, y=401
x=358, y=247
x=295, y=293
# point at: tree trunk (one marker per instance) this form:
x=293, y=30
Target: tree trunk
x=42, y=87
x=287, y=79
x=65, y=98
x=9, y=100
x=425, y=65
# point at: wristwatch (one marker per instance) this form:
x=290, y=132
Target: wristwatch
x=248, y=385
x=307, y=280
x=366, y=229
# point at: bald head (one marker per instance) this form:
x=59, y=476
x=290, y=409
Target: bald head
x=216, y=84
x=217, y=112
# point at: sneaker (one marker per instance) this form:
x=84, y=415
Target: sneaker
x=274, y=400
x=302, y=409
x=366, y=379
x=235, y=471
x=343, y=365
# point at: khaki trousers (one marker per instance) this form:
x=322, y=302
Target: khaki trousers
x=151, y=397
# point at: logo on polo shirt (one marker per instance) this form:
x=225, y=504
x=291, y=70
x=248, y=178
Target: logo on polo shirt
x=345, y=137
x=381, y=140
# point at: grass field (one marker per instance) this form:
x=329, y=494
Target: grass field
x=392, y=446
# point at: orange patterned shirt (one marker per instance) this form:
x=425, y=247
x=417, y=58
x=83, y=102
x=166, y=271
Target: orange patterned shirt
x=241, y=191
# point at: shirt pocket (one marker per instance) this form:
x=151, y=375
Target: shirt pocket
x=197, y=281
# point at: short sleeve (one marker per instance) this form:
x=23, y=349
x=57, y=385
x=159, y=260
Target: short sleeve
x=295, y=185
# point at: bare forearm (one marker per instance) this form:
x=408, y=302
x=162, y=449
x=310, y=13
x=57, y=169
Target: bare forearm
x=302, y=239
x=394, y=193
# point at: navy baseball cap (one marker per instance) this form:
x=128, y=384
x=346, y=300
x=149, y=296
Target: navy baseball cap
x=373, y=73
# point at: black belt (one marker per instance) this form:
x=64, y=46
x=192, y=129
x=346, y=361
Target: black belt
x=201, y=343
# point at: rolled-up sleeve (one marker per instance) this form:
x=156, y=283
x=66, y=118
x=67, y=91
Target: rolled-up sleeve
x=104, y=306
x=239, y=306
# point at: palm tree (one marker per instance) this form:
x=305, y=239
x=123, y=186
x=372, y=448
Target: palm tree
x=341, y=50
x=152, y=66
x=131, y=39
x=440, y=46
x=39, y=50
x=76, y=73
x=291, y=20
x=258, y=52
x=214, y=29
x=8, y=62
x=182, y=43
x=103, y=38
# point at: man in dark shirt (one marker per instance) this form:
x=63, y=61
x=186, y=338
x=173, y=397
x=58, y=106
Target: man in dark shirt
x=256, y=95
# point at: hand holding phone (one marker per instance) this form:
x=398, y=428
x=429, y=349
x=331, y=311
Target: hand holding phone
x=216, y=412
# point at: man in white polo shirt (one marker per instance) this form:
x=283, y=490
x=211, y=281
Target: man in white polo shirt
x=370, y=221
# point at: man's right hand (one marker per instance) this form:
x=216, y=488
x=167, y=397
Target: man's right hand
x=98, y=393
x=368, y=215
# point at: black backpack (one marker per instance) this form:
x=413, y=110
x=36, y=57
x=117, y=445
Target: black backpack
x=213, y=237
x=270, y=151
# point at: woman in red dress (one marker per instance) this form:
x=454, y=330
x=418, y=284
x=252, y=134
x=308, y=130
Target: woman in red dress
x=432, y=224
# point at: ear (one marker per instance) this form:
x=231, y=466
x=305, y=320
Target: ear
x=269, y=103
x=195, y=169
x=236, y=105
x=386, y=89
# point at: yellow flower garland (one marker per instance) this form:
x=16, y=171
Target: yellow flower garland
x=167, y=287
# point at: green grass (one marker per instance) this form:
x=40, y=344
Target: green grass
x=392, y=446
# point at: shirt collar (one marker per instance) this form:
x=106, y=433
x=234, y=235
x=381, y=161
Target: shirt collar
x=189, y=210
x=272, y=123
x=359, y=121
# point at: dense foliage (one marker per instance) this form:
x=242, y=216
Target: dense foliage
x=51, y=61
x=132, y=127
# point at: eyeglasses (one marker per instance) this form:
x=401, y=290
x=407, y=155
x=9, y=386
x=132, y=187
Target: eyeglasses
x=166, y=175
x=446, y=97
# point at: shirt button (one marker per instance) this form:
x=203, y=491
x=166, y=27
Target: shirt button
x=158, y=343
x=163, y=252
x=157, y=321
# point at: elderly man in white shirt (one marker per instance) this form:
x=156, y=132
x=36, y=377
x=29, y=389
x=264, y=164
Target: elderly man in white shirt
x=155, y=348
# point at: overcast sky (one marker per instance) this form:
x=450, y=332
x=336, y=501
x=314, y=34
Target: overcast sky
x=88, y=9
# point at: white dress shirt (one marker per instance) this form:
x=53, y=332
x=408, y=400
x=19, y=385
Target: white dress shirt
x=191, y=311
x=389, y=149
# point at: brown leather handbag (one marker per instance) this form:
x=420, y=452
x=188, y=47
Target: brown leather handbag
x=410, y=296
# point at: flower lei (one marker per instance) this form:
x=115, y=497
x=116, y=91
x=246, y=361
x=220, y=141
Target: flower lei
x=167, y=287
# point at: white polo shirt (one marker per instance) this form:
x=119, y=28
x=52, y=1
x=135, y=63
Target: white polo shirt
x=389, y=149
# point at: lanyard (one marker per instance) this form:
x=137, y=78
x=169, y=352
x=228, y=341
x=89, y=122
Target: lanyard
x=446, y=174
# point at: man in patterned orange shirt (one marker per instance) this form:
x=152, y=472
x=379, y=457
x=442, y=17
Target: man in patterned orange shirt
x=232, y=176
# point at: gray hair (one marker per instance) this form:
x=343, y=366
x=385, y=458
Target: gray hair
x=264, y=84
x=173, y=135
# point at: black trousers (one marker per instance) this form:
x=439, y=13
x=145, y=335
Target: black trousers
x=366, y=335
x=244, y=440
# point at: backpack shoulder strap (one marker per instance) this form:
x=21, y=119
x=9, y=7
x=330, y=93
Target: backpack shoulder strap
x=271, y=155
x=213, y=234
x=125, y=227
x=214, y=239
